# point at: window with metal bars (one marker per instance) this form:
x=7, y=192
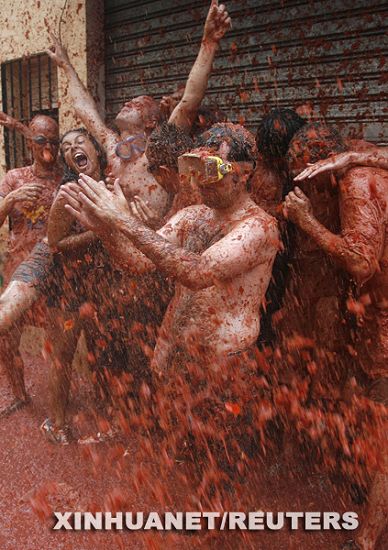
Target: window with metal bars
x=29, y=87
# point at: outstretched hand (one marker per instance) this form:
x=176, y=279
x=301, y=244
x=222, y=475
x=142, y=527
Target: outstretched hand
x=342, y=161
x=217, y=22
x=144, y=213
x=7, y=120
x=297, y=207
x=13, y=124
x=57, y=52
x=94, y=205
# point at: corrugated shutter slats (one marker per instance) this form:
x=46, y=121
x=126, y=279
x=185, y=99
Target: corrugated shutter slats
x=330, y=55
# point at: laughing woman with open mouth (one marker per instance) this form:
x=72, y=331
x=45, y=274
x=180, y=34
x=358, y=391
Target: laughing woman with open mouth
x=78, y=286
x=63, y=275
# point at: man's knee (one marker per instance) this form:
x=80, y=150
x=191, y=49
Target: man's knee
x=13, y=303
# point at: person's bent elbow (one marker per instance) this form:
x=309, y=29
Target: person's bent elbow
x=196, y=281
x=195, y=285
x=361, y=271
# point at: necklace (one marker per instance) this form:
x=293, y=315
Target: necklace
x=130, y=146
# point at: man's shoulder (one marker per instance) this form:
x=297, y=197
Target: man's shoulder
x=17, y=173
x=197, y=209
x=363, y=177
x=259, y=217
x=194, y=212
x=359, y=145
x=15, y=178
x=367, y=184
x=260, y=227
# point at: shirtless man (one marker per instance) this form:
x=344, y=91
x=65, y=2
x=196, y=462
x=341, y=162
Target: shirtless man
x=220, y=255
x=235, y=247
x=27, y=194
x=139, y=116
x=16, y=301
x=360, y=247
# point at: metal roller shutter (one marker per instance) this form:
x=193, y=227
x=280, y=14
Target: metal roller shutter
x=325, y=55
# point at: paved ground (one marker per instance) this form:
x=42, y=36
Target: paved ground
x=37, y=477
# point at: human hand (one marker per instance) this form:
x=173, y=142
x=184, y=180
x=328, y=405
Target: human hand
x=7, y=120
x=217, y=23
x=167, y=105
x=25, y=195
x=13, y=124
x=57, y=52
x=69, y=196
x=169, y=102
x=297, y=207
x=144, y=213
x=342, y=161
x=95, y=206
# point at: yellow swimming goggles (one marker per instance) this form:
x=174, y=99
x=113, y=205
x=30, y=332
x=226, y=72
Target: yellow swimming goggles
x=208, y=169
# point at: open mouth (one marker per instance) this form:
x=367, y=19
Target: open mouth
x=81, y=160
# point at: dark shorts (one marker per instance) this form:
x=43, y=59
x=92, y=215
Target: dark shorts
x=61, y=284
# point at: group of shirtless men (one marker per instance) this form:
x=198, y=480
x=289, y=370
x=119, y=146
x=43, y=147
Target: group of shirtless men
x=175, y=220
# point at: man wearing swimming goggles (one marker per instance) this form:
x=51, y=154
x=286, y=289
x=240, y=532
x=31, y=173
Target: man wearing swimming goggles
x=220, y=253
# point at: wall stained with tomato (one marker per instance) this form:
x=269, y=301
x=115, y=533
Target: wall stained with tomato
x=326, y=57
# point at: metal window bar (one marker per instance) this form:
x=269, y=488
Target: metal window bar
x=40, y=83
x=29, y=87
x=29, y=84
x=49, y=80
x=13, y=111
x=20, y=76
x=4, y=100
